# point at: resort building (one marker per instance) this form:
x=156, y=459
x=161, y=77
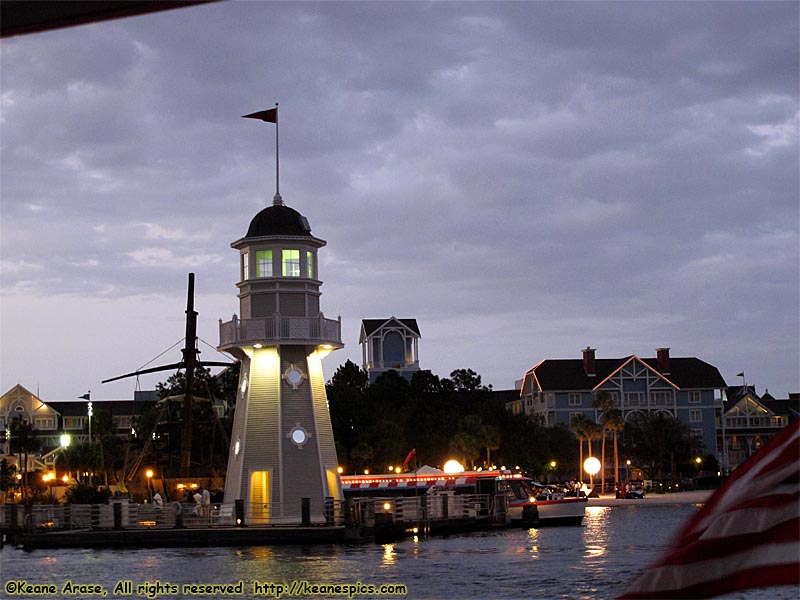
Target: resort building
x=750, y=420
x=51, y=420
x=689, y=389
x=389, y=345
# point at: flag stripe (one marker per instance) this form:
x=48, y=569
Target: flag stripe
x=746, y=535
x=687, y=581
x=722, y=547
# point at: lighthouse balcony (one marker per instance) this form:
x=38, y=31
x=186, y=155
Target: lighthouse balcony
x=280, y=330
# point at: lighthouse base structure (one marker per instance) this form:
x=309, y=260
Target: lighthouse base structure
x=282, y=463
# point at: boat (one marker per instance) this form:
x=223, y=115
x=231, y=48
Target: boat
x=528, y=503
x=553, y=505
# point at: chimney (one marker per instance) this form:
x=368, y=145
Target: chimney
x=662, y=358
x=588, y=362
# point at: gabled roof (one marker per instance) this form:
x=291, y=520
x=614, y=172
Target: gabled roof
x=568, y=374
x=789, y=407
x=749, y=404
x=370, y=326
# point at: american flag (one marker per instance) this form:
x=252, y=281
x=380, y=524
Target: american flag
x=747, y=534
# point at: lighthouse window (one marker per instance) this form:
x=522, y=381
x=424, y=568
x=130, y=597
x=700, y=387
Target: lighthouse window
x=291, y=263
x=264, y=263
x=310, y=263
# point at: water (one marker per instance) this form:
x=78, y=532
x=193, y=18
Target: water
x=597, y=560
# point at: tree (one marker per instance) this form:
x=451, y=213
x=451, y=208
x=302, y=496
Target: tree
x=82, y=460
x=24, y=442
x=580, y=425
x=658, y=440
x=467, y=447
x=604, y=403
x=615, y=423
x=7, y=474
x=466, y=380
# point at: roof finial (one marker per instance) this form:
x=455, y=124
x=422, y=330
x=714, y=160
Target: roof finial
x=277, y=200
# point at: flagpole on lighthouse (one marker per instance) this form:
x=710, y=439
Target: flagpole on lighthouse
x=277, y=199
x=271, y=116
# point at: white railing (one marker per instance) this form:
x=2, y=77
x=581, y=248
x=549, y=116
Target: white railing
x=757, y=422
x=392, y=365
x=312, y=330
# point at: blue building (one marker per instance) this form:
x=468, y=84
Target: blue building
x=389, y=345
x=689, y=389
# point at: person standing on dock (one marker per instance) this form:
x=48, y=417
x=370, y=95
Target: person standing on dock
x=205, y=507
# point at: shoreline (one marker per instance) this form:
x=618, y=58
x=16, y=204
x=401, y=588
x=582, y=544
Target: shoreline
x=692, y=497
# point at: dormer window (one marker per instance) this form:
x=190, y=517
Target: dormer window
x=264, y=263
x=291, y=263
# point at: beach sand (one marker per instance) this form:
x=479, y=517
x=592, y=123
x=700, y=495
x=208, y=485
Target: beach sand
x=693, y=497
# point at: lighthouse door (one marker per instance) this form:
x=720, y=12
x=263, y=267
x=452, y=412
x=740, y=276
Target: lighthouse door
x=259, y=497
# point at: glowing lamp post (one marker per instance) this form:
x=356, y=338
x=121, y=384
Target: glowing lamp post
x=453, y=466
x=149, y=475
x=592, y=466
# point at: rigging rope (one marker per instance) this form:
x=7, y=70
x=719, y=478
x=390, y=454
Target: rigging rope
x=215, y=349
x=180, y=341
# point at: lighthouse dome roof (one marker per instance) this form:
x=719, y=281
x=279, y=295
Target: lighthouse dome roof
x=278, y=220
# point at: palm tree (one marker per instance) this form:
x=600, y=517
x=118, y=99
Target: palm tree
x=604, y=403
x=615, y=423
x=24, y=442
x=490, y=438
x=579, y=426
x=593, y=432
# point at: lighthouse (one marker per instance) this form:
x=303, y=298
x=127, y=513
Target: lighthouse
x=282, y=449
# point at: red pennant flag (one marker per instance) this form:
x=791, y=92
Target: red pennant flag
x=747, y=535
x=269, y=116
x=411, y=455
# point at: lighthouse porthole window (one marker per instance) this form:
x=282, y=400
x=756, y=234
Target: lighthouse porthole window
x=294, y=376
x=299, y=436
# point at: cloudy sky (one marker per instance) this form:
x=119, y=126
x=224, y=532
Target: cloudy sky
x=524, y=179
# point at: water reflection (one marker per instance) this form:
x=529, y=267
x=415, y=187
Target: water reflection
x=597, y=560
x=389, y=555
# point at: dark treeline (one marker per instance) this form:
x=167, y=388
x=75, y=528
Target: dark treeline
x=375, y=426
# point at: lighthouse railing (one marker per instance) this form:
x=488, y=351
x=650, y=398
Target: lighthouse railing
x=282, y=329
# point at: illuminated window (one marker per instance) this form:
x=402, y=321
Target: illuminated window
x=245, y=266
x=310, y=263
x=73, y=422
x=291, y=263
x=45, y=423
x=264, y=263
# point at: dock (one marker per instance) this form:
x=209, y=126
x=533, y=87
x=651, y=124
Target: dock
x=127, y=525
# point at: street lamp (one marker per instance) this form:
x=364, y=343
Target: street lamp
x=48, y=479
x=149, y=475
x=592, y=466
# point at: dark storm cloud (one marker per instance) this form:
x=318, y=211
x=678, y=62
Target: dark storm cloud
x=523, y=178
